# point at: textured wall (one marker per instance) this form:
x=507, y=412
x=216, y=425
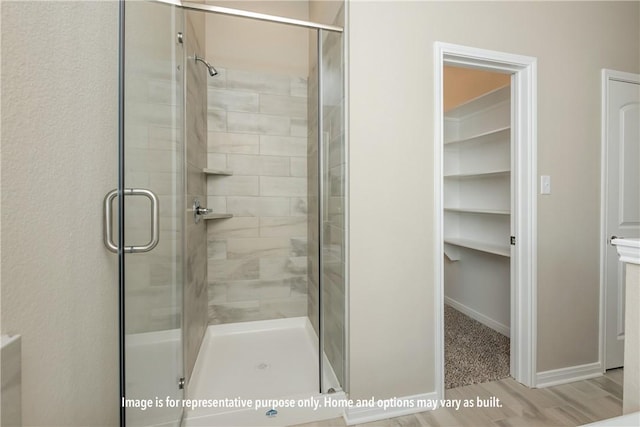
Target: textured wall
x=59, y=145
x=258, y=258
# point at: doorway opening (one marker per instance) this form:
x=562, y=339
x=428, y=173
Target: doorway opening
x=477, y=193
x=485, y=190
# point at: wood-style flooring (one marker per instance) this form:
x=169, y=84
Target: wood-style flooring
x=570, y=404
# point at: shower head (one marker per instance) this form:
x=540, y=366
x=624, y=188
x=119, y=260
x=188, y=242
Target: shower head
x=212, y=70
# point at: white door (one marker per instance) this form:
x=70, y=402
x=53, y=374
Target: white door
x=621, y=198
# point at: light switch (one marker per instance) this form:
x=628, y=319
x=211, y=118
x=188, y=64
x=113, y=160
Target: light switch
x=545, y=184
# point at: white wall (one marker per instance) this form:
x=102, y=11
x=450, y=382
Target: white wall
x=391, y=176
x=59, y=142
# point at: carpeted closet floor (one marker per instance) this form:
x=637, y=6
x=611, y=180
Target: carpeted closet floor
x=473, y=352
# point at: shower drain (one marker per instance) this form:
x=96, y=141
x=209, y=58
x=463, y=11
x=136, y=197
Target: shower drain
x=262, y=366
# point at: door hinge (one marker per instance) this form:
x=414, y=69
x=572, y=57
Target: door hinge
x=513, y=240
x=181, y=383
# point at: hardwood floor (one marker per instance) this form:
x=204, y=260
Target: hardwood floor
x=570, y=404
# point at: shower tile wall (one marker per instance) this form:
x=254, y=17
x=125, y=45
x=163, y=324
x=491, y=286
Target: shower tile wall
x=195, y=289
x=257, y=263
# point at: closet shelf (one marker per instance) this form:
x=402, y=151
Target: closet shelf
x=217, y=216
x=479, y=211
x=207, y=171
x=478, y=174
x=483, y=137
x=480, y=246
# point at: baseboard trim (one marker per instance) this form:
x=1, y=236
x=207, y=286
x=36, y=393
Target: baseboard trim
x=410, y=405
x=568, y=374
x=487, y=321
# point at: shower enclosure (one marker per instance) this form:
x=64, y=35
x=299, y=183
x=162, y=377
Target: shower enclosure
x=228, y=221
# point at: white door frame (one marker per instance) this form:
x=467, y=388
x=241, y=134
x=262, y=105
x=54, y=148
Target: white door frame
x=524, y=141
x=607, y=76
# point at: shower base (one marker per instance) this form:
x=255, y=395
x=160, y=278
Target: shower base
x=270, y=359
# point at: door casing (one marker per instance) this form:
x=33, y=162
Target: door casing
x=524, y=143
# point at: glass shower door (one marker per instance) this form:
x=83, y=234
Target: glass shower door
x=153, y=187
x=333, y=261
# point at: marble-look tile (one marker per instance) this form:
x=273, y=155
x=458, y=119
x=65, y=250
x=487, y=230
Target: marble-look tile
x=244, y=164
x=232, y=100
x=216, y=161
x=270, y=146
x=137, y=135
x=161, y=91
x=283, y=146
x=298, y=86
x=234, y=312
x=275, y=166
x=283, y=186
x=217, y=249
x=282, y=267
x=162, y=183
x=234, y=185
x=165, y=137
x=257, y=82
x=299, y=128
x=336, y=181
x=217, y=121
x=298, y=246
x=283, y=226
x=196, y=182
x=217, y=204
x=257, y=123
x=235, y=269
x=298, y=166
x=233, y=227
x=290, y=106
x=274, y=206
x=220, y=80
x=258, y=206
x=298, y=206
x=217, y=292
x=233, y=143
x=285, y=307
x=257, y=247
x=144, y=160
x=248, y=290
x=153, y=114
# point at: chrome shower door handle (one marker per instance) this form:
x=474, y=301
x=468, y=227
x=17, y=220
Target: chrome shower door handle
x=108, y=220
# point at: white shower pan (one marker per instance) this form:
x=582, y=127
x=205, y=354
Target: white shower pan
x=257, y=361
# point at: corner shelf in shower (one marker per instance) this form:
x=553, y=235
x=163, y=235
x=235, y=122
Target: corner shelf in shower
x=217, y=172
x=207, y=171
x=217, y=216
